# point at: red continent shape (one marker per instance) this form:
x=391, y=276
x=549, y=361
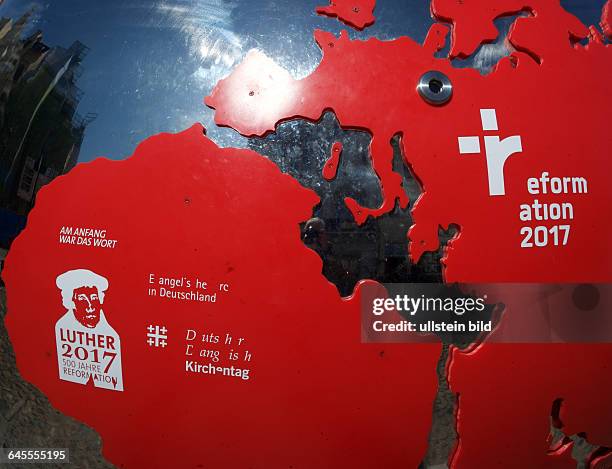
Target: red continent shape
x=508, y=384
x=357, y=14
x=506, y=392
x=473, y=25
x=371, y=85
x=548, y=94
x=181, y=206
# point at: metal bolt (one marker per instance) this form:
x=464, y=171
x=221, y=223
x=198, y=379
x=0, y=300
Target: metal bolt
x=435, y=87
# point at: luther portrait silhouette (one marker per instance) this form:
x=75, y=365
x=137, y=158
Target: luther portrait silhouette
x=88, y=348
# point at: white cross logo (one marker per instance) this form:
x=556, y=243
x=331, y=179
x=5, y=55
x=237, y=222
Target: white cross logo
x=157, y=336
x=497, y=151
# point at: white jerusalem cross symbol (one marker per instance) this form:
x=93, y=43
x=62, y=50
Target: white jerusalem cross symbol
x=157, y=336
x=497, y=151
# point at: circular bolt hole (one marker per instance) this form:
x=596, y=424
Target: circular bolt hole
x=251, y=93
x=356, y=10
x=435, y=88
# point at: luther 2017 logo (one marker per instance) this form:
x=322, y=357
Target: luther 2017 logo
x=88, y=348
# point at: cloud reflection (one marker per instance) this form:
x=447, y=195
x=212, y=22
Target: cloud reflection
x=488, y=55
x=213, y=49
x=207, y=29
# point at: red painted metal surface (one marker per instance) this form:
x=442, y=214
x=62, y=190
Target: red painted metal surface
x=606, y=19
x=315, y=397
x=506, y=391
x=357, y=14
x=371, y=85
x=473, y=24
x=331, y=165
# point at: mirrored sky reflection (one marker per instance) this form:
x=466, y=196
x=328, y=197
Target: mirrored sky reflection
x=151, y=63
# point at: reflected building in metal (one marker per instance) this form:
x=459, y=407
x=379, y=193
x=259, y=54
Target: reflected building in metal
x=40, y=131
